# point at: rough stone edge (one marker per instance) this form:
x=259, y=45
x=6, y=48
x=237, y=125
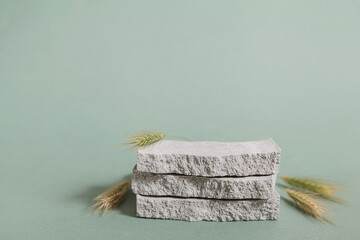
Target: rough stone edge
x=239, y=165
x=151, y=180
x=166, y=205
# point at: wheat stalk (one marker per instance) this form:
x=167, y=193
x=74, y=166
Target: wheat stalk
x=111, y=198
x=310, y=204
x=144, y=138
x=324, y=189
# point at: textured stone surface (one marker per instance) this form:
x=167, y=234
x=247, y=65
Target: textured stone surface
x=193, y=209
x=210, y=158
x=152, y=184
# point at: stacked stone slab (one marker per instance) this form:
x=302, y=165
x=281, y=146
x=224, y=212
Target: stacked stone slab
x=213, y=181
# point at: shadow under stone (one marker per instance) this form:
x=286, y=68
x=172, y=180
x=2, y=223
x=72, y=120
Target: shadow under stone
x=128, y=206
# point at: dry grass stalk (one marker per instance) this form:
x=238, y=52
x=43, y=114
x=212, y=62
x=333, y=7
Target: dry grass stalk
x=310, y=204
x=144, y=138
x=111, y=198
x=324, y=189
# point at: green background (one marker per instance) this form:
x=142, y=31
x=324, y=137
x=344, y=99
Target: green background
x=76, y=76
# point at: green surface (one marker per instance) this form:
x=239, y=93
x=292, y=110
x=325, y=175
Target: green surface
x=76, y=76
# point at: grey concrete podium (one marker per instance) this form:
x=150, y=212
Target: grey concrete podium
x=210, y=159
x=152, y=184
x=194, y=209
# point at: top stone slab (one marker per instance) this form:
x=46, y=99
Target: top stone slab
x=212, y=159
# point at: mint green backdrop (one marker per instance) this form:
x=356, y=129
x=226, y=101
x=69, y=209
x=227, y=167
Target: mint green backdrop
x=76, y=76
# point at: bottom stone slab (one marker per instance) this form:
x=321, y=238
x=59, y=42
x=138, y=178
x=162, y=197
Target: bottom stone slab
x=195, y=209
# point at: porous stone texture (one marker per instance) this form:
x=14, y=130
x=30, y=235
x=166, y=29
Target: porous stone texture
x=151, y=184
x=193, y=209
x=210, y=158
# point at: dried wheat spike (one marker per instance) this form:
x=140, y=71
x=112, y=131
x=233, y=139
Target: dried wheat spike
x=144, y=138
x=310, y=204
x=111, y=198
x=324, y=189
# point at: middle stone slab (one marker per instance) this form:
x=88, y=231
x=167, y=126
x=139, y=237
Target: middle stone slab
x=252, y=187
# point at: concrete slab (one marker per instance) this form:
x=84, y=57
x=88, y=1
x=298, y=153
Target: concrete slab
x=192, y=209
x=210, y=158
x=152, y=184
